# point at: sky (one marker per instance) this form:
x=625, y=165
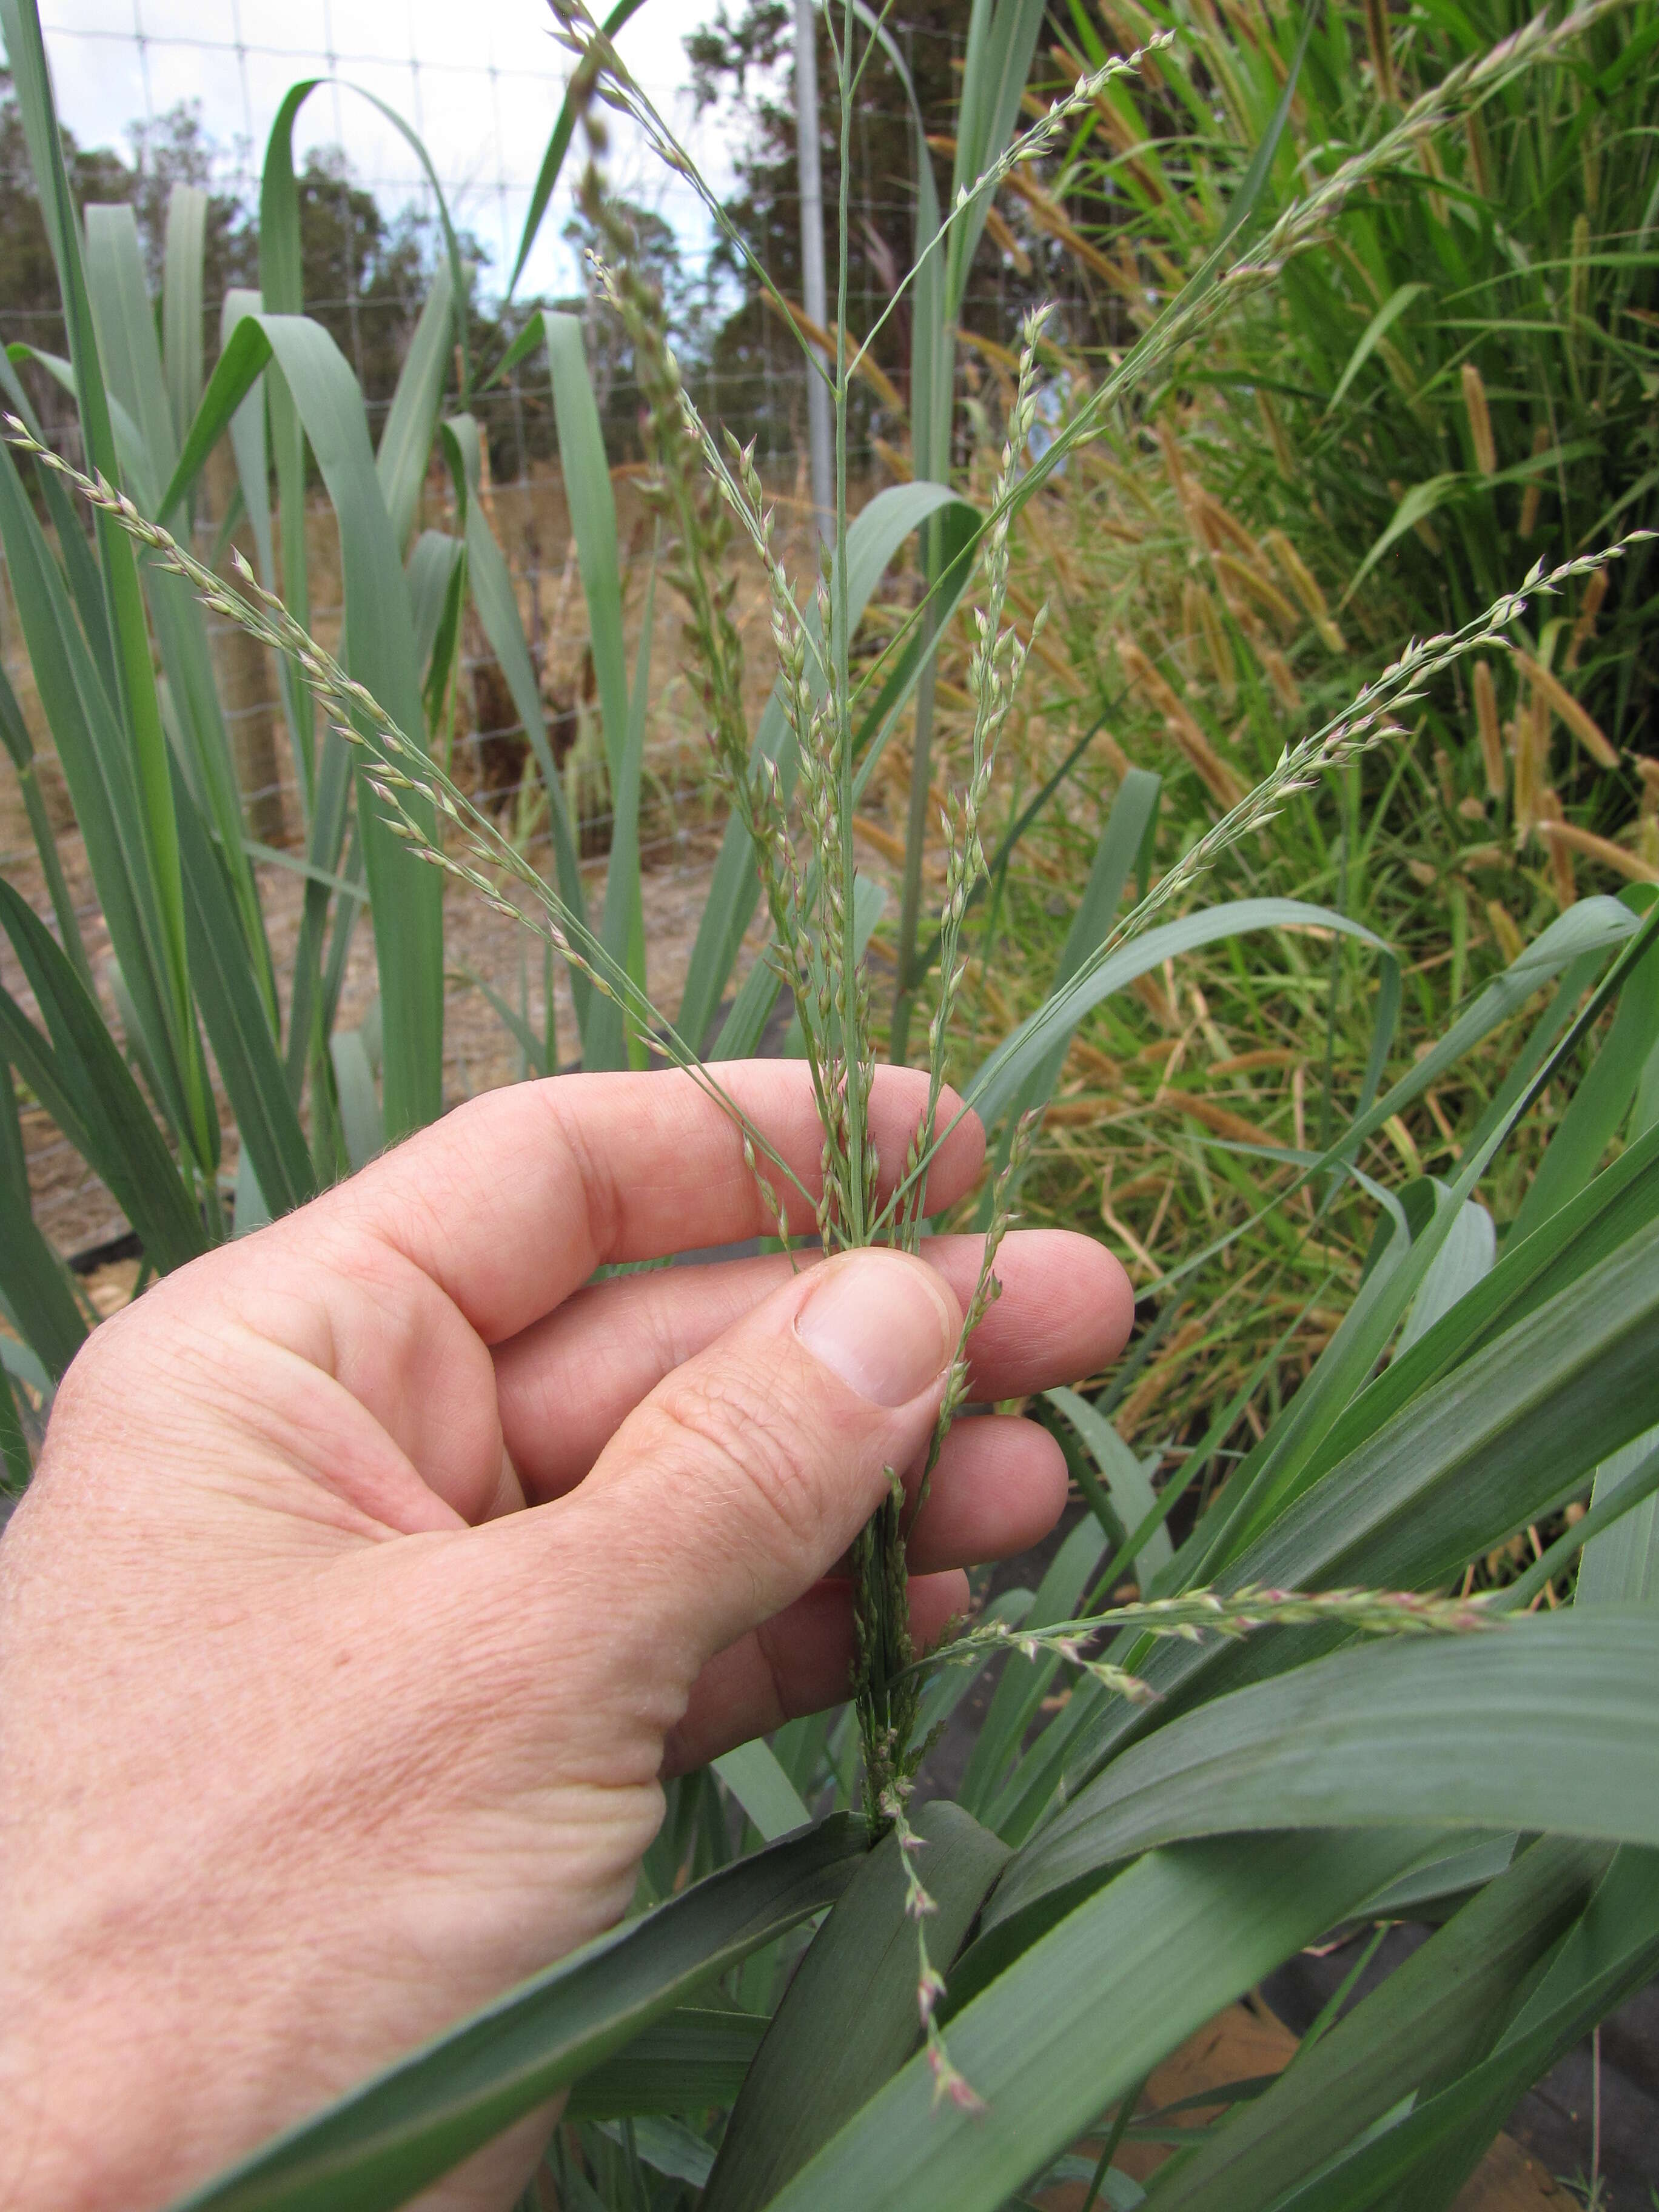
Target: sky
x=479, y=80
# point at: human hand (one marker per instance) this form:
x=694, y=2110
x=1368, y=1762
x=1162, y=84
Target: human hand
x=376, y=1573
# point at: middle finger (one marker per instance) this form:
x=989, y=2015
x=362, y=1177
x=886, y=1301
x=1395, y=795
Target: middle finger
x=566, y=1384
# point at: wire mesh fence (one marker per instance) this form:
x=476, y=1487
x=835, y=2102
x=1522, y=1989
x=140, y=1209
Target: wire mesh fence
x=187, y=90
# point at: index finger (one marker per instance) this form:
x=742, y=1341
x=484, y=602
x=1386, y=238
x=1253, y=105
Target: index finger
x=511, y=1201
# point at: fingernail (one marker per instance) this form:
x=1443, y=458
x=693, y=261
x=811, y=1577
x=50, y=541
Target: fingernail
x=875, y=1320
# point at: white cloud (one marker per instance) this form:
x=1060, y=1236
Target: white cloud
x=480, y=83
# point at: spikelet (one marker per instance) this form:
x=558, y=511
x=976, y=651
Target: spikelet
x=1474, y=402
x=1485, y=717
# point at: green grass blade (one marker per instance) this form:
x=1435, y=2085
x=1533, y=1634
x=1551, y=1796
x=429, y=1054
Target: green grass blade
x=1377, y=329
x=362, y=1122
x=1466, y=1256
x=32, y=1278
x=1127, y=1484
x=407, y=898
x=176, y=1041
x=1543, y=1725
x=182, y=305
x=435, y=560
x=547, y=177
x=1002, y=36
x=848, y=2019
x=693, y=2060
x=15, y=1470
x=1085, y=2015
x=84, y=1083
x=1435, y=2148
x=412, y=419
x=1490, y=1447
x=242, y=360
x=1024, y=1683
x=239, y=1018
x=98, y=769
x=1600, y=1101
x=622, y=930
x=1434, y=2016
x=80, y=570
x=1130, y=822
x=281, y=286
x=592, y=509
x=248, y=441
x=755, y=1778
x=381, y=2143
x=14, y=736
x=1000, y=1079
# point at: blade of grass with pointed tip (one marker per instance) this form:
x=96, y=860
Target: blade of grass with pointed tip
x=577, y=95
x=361, y=1120
x=1128, y=826
x=434, y=560
x=282, y=288
x=383, y=2141
x=1598, y=1104
x=622, y=927
x=248, y=442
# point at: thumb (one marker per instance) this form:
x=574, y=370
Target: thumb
x=749, y=1470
